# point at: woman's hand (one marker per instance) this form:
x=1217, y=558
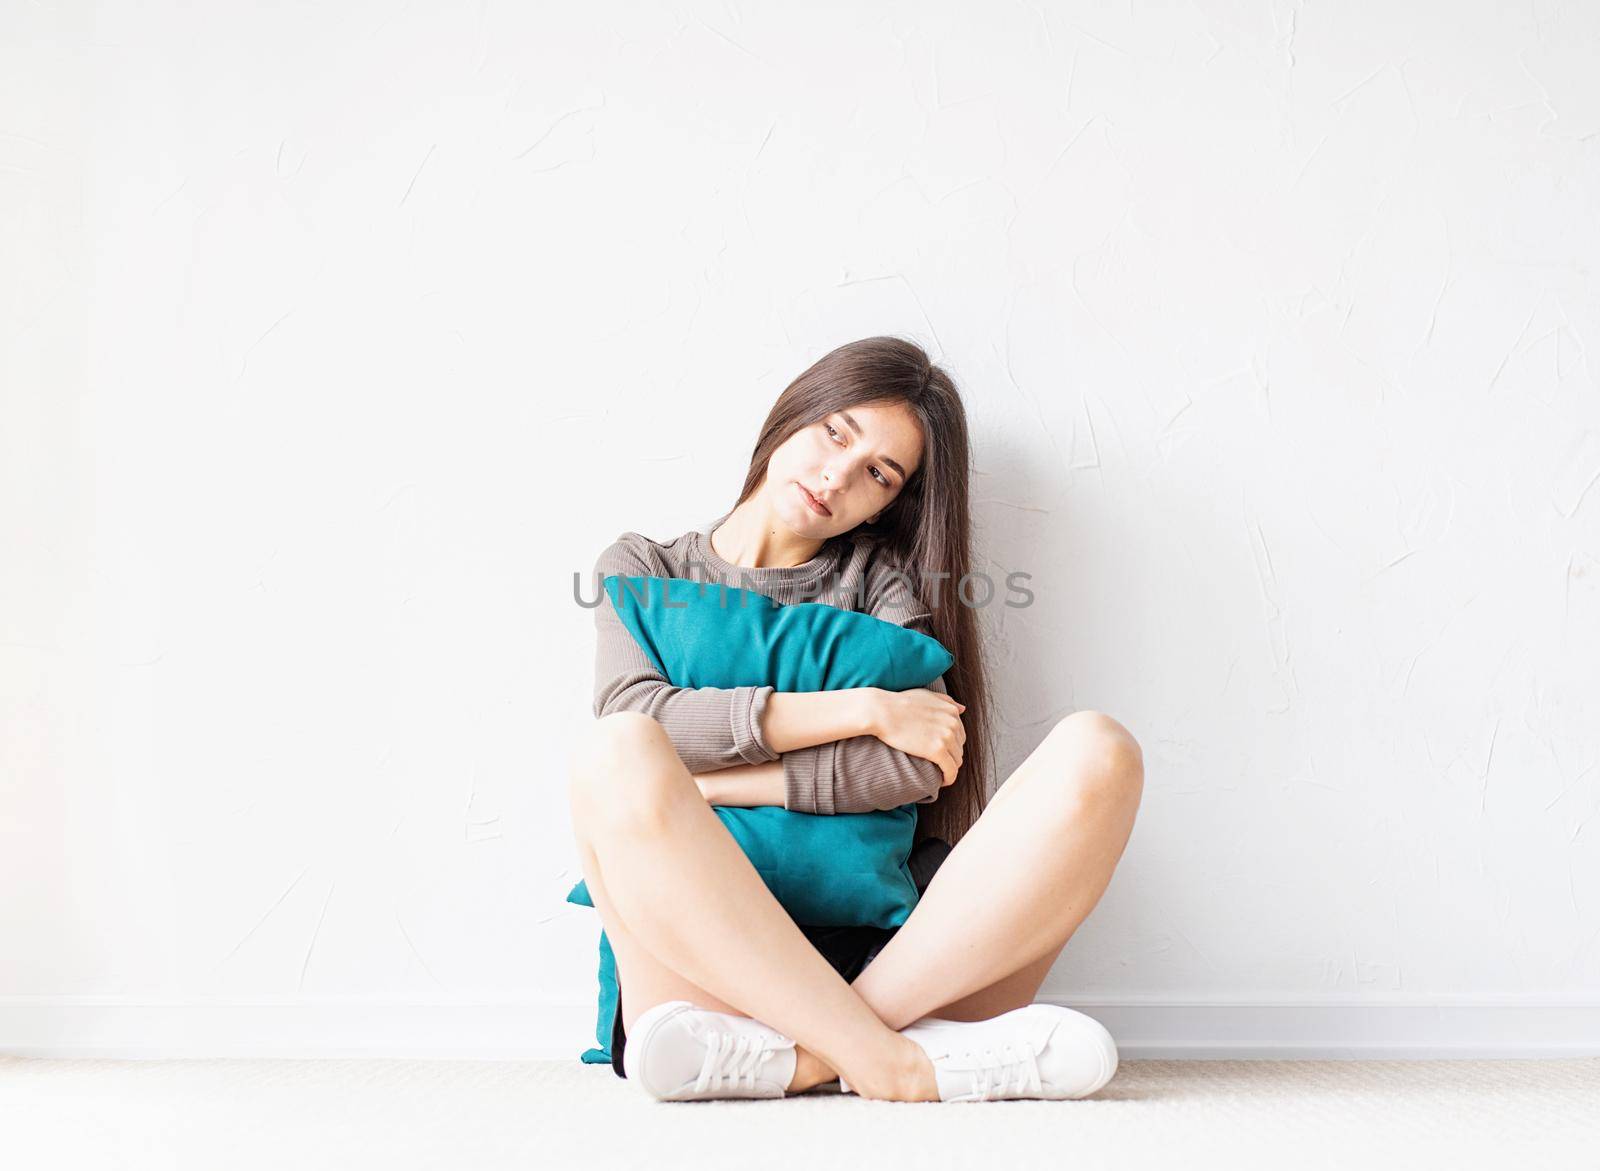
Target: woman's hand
x=923, y=723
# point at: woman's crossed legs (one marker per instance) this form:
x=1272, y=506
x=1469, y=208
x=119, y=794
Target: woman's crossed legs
x=688, y=917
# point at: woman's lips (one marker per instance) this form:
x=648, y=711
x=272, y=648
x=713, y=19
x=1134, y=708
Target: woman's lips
x=812, y=502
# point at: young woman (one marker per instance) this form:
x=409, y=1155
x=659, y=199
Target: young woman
x=856, y=496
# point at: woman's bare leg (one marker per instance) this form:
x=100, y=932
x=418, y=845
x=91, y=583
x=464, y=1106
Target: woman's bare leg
x=649, y=982
x=652, y=851
x=1050, y=840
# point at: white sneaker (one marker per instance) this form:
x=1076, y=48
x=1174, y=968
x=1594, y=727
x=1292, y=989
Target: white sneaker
x=680, y=1052
x=1037, y=1051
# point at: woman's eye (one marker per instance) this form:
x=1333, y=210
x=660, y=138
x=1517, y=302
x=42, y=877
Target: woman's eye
x=882, y=479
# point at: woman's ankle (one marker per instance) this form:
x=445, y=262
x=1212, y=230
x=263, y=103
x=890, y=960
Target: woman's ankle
x=918, y=1081
x=902, y=1074
x=809, y=1070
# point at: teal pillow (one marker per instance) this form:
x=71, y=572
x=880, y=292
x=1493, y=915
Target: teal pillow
x=841, y=870
x=706, y=634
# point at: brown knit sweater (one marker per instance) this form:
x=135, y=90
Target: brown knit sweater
x=717, y=727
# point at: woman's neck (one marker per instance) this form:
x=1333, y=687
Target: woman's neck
x=751, y=537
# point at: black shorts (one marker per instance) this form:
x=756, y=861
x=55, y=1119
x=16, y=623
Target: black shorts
x=848, y=949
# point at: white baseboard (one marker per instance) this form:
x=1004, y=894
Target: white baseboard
x=1361, y=1031
x=558, y=1030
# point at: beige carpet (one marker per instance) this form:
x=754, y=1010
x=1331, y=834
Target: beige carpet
x=299, y=1115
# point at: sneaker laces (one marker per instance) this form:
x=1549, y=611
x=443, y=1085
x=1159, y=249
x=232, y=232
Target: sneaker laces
x=1015, y=1069
x=732, y=1060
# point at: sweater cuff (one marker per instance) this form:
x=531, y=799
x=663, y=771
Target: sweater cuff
x=745, y=714
x=808, y=780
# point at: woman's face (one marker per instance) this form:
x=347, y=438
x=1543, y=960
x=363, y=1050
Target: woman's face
x=854, y=461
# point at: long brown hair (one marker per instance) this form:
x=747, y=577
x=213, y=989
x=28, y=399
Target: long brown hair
x=925, y=530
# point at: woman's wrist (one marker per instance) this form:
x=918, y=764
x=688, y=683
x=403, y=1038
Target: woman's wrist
x=869, y=711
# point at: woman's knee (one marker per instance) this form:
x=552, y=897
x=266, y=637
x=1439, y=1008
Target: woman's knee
x=1101, y=761
x=613, y=764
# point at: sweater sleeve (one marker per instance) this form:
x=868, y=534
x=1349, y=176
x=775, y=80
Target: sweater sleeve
x=711, y=727
x=862, y=773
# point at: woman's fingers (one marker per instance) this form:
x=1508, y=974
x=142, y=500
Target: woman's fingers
x=953, y=753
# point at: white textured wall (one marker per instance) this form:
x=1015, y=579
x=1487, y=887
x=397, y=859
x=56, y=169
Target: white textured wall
x=335, y=338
